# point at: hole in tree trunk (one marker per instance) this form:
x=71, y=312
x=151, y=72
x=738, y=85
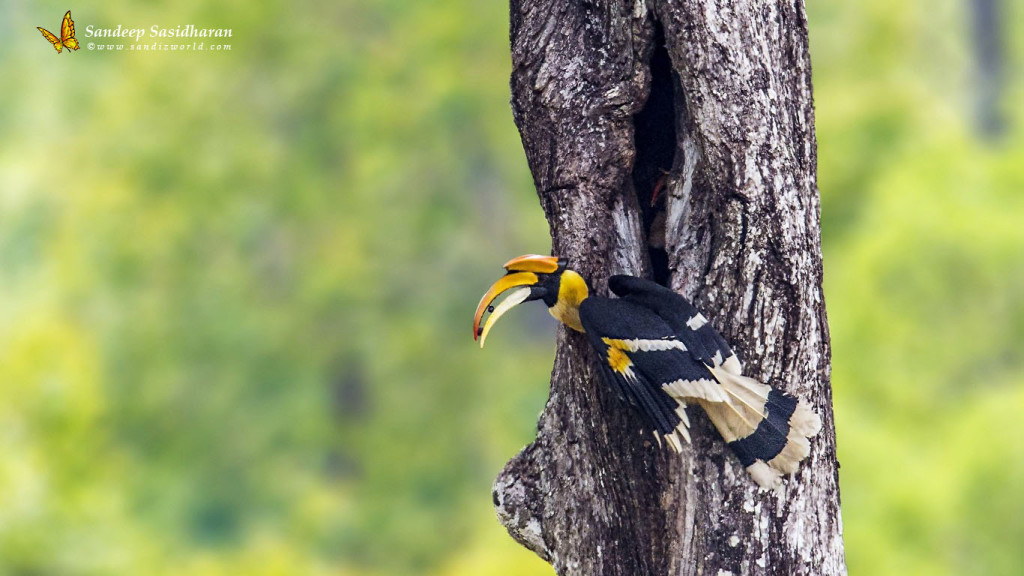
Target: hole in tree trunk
x=654, y=137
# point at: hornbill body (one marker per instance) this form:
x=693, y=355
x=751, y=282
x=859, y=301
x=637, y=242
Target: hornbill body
x=661, y=354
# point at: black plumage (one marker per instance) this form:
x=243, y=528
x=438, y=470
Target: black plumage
x=661, y=354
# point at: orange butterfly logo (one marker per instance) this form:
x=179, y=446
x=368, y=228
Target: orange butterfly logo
x=67, y=35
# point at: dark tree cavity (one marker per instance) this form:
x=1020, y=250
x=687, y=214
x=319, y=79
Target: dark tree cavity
x=654, y=137
x=709, y=102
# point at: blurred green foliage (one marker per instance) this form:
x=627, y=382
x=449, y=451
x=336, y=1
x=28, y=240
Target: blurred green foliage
x=235, y=292
x=924, y=274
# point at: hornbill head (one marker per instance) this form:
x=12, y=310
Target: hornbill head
x=533, y=277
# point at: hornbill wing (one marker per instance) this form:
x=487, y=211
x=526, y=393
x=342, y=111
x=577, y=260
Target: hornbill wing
x=641, y=357
x=686, y=322
x=767, y=429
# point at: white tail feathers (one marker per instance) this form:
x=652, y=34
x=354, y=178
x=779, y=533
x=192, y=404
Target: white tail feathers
x=765, y=475
x=805, y=421
x=767, y=429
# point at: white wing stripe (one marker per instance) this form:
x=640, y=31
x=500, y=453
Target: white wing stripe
x=703, y=388
x=642, y=345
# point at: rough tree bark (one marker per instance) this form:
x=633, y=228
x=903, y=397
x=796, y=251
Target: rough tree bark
x=592, y=495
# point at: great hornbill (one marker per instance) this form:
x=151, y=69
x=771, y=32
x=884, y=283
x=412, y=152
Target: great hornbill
x=661, y=354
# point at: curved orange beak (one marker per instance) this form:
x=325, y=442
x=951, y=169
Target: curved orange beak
x=507, y=282
x=522, y=272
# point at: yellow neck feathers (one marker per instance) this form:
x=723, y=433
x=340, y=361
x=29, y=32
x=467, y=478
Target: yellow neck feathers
x=572, y=290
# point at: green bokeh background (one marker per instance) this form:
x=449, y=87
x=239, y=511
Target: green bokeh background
x=235, y=291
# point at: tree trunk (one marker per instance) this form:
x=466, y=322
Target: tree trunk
x=730, y=119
